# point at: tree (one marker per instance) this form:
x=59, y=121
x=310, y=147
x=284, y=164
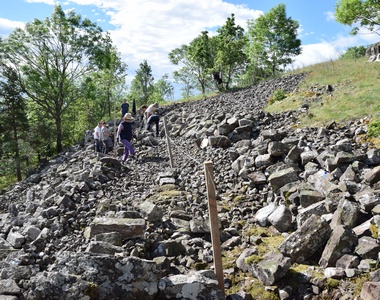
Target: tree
x=163, y=89
x=184, y=75
x=354, y=52
x=201, y=60
x=229, y=56
x=142, y=85
x=111, y=75
x=184, y=78
x=52, y=57
x=196, y=61
x=366, y=13
x=273, y=40
x=13, y=121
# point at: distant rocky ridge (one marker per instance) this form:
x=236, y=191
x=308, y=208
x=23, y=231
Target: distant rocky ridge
x=86, y=227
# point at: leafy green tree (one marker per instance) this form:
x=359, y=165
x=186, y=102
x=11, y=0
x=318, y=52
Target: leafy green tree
x=197, y=63
x=13, y=123
x=366, y=13
x=142, y=86
x=228, y=53
x=184, y=76
x=163, y=89
x=273, y=40
x=111, y=76
x=354, y=52
x=252, y=75
x=187, y=82
x=200, y=56
x=52, y=57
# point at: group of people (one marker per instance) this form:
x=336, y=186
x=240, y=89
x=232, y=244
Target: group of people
x=148, y=118
x=148, y=115
x=102, y=136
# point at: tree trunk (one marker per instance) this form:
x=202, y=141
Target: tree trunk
x=59, y=133
x=17, y=155
x=108, y=102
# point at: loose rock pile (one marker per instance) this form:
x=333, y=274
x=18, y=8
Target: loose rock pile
x=86, y=227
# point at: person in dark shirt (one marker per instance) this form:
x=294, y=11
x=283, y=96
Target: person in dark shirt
x=124, y=108
x=125, y=135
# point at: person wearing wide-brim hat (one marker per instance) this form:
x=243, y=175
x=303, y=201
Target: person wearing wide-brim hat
x=125, y=135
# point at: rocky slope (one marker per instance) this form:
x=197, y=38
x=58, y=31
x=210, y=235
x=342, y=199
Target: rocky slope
x=298, y=211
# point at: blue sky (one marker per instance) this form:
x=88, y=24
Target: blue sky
x=150, y=29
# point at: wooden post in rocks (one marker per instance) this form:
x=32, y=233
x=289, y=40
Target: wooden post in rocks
x=214, y=224
x=168, y=144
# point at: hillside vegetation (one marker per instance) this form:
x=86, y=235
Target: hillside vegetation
x=355, y=92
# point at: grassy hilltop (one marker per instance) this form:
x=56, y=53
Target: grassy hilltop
x=355, y=93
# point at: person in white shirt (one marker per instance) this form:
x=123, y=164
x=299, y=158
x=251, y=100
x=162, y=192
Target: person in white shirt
x=98, y=136
x=151, y=110
x=151, y=115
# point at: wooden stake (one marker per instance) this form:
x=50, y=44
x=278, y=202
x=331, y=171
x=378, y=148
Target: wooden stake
x=214, y=224
x=168, y=144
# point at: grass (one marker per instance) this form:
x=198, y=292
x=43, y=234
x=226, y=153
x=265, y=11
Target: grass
x=7, y=180
x=355, y=84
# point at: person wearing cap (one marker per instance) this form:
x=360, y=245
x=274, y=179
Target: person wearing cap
x=125, y=135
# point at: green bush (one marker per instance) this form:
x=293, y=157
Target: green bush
x=354, y=52
x=374, y=129
x=278, y=95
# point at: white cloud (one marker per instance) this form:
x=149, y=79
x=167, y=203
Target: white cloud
x=7, y=26
x=330, y=16
x=150, y=29
x=49, y=2
x=325, y=51
x=315, y=53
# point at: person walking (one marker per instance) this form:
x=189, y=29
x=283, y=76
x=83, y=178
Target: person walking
x=106, y=139
x=124, y=108
x=98, y=137
x=125, y=135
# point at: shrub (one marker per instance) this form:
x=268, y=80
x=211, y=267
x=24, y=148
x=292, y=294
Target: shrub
x=374, y=129
x=278, y=95
x=354, y=52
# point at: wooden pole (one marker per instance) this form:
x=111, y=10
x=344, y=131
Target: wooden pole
x=214, y=224
x=168, y=144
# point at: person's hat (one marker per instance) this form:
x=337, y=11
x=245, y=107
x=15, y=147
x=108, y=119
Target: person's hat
x=128, y=116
